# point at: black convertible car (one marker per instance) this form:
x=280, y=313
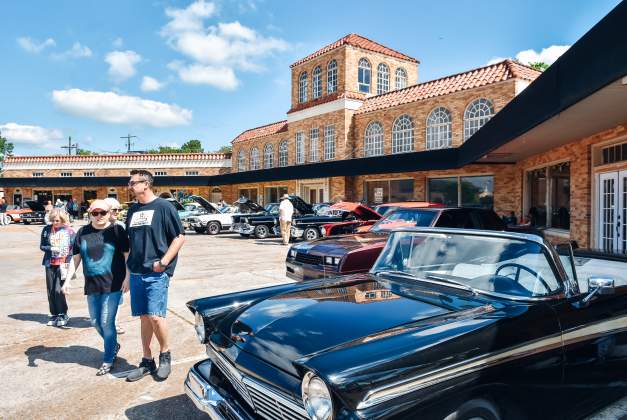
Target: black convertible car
x=448, y=324
x=263, y=225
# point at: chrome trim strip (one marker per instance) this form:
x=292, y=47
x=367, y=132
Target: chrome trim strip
x=273, y=394
x=574, y=335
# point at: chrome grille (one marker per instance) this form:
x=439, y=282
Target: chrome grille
x=266, y=402
x=308, y=259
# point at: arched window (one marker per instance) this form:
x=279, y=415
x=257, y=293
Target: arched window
x=383, y=79
x=268, y=156
x=401, y=78
x=302, y=87
x=331, y=76
x=283, y=153
x=363, y=76
x=476, y=115
x=316, y=82
x=403, y=135
x=254, y=159
x=241, y=161
x=439, y=132
x=373, y=139
x=300, y=148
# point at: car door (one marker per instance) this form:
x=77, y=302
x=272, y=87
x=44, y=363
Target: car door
x=594, y=336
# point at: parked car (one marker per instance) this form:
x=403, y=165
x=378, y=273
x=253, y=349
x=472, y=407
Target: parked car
x=321, y=208
x=35, y=213
x=343, y=214
x=263, y=225
x=386, y=208
x=14, y=213
x=182, y=211
x=212, y=220
x=356, y=253
x=448, y=324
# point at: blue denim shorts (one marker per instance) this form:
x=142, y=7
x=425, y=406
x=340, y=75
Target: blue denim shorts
x=149, y=294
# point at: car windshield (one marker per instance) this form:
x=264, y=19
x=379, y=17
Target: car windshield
x=272, y=208
x=404, y=218
x=508, y=266
x=385, y=209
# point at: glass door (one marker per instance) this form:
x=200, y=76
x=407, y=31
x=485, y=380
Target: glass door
x=608, y=214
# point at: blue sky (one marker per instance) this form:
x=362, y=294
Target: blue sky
x=170, y=71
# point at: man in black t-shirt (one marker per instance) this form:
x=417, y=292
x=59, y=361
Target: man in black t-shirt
x=156, y=235
x=102, y=247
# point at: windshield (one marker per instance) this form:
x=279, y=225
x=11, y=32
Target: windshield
x=507, y=266
x=404, y=218
x=272, y=208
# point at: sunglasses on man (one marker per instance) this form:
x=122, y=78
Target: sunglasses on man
x=99, y=213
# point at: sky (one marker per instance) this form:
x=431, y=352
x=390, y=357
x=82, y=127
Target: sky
x=171, y=71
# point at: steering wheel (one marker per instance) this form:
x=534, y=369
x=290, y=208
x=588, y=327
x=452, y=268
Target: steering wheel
x=520, y=267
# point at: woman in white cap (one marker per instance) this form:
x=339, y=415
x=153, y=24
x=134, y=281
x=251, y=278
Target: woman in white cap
x=103, y=248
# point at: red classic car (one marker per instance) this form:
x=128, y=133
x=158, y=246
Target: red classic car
x=356, y=253
x=358, y=216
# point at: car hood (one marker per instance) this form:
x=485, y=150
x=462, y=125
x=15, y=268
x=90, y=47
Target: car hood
x=342, y=244
x=35, y=206
x=248, y=206
x=298, y=325
x=204, y=203
x=361, y=211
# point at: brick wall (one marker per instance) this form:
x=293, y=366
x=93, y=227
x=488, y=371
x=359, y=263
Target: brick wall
x=499, y=93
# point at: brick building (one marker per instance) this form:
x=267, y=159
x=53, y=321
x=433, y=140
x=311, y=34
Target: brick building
x=550, y=147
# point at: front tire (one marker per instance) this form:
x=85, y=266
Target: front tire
x=261, y=232
x=213, y=228
x=199, y=230
x=311, y=234
x=478, y=409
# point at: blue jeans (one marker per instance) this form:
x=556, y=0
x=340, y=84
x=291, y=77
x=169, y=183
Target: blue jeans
x=149, y=294
x=102, y=311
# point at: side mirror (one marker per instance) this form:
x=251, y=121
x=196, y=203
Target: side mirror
x=599, y=286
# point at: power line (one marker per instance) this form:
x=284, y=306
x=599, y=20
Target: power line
x=128, y=138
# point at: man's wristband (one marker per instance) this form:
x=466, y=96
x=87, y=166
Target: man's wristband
x=162, y=265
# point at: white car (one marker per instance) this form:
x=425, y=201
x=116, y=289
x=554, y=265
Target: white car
x=212, y=222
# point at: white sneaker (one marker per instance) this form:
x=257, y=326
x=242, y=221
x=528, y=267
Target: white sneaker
x=62, y=320
x=52, y=321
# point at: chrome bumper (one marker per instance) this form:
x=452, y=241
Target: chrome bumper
x=206, y=398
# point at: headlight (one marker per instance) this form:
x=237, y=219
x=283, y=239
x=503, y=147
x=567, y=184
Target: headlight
x=316, y=398
x=293, y=253
x=328, y=260
x=332, y=260
x=199, y=326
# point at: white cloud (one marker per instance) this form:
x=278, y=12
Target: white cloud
x=150, y=84
x=216, y=51
x=118, y=43
x=110, y=107
x=29, y=134
x=77, y=51
x=122, y=64
x=33, y=46
x=547, y=55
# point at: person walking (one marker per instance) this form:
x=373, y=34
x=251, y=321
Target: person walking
x=48, y=208
x=56, y=242
x=286, y=211
x=156, y=235
x=102, y=246
x=115, y=210
x=3, y=212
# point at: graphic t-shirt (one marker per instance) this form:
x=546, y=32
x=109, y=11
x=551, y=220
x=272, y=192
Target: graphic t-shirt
x=61, y=240
x=151, y=229
x=102, y=252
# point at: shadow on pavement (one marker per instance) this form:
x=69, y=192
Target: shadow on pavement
x=80, y=355
x=77, y=322
x=177, y=407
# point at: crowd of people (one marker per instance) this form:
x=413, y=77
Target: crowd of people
x=138, y=256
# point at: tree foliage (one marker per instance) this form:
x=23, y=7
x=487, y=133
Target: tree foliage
x=191, y=146
x=6, y=147
x=540, y=66
x=85, y=152
x=225, y=149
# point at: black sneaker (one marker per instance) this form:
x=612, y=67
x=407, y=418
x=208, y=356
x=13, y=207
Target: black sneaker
x=146, y=367
x=165, y=366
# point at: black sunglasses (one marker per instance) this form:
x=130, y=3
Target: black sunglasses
x=99, y=213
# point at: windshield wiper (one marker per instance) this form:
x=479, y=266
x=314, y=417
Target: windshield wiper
x=426, y=278
x=395, y=273
x=450, y=281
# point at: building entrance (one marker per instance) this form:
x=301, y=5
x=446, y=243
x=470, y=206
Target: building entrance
x=612, y=201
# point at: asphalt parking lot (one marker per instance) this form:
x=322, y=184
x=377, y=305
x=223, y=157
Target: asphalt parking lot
x=50, y=372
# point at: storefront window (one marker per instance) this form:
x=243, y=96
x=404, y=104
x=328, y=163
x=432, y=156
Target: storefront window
x=274, y=193
x=249, y=193
x=378, y=192
x=443, y=191
x=548, y=195
x=465, y=191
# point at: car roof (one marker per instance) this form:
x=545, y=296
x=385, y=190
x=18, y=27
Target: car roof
x=413, y=204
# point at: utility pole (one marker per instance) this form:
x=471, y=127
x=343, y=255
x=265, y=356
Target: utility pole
x=128, y=138
x=70, y=146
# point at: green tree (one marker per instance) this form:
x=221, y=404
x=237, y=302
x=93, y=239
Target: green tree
x=225, y=149
x=6, y=147
x=192, y=146
x=540, y=66
x=164, y=150
x=85, y=152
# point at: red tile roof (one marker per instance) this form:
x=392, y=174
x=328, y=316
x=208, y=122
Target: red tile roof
x=482, y=76
x=359, y=42
x=118, y=158
x=263, y=131
x=327, y=98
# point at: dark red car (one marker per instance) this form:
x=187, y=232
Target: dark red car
x=356, y=253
